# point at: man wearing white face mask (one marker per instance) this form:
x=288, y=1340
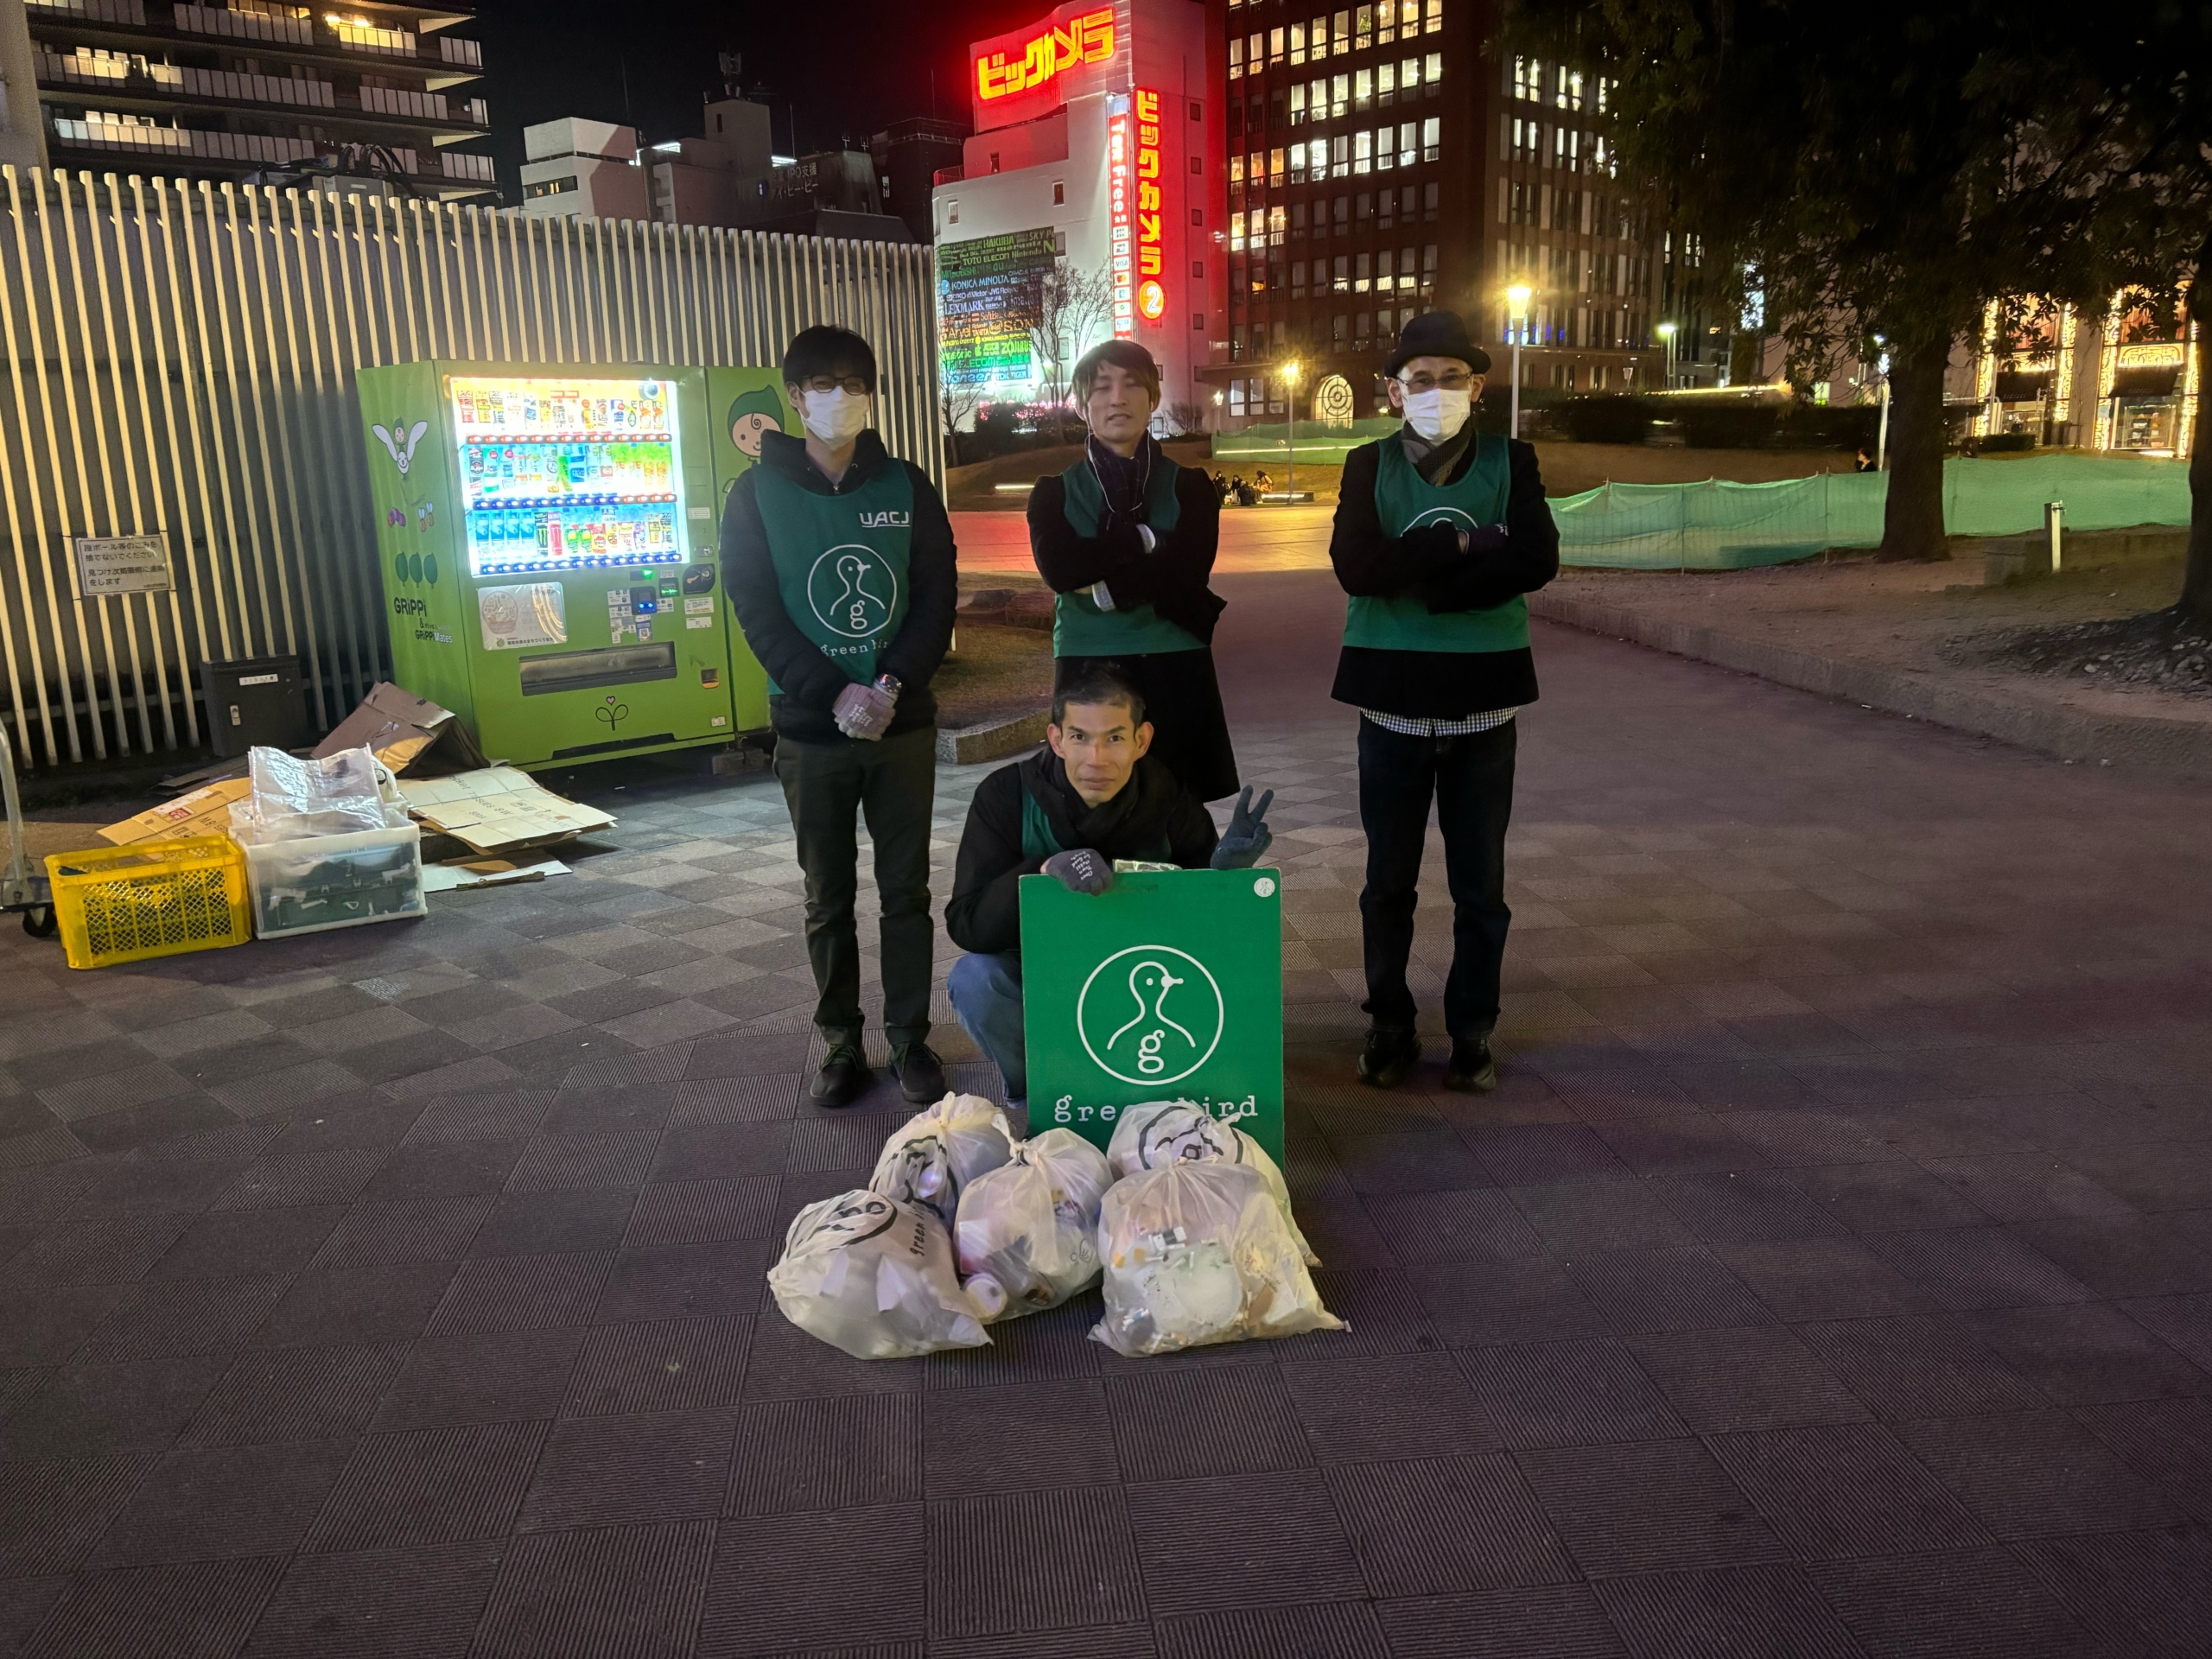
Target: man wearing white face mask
x=841, y=563
x=1440, y=532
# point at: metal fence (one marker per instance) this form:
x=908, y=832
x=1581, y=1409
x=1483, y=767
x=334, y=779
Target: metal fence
x=179, y=357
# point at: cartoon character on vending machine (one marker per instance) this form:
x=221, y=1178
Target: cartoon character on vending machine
x=408, y=517
x=753, y=415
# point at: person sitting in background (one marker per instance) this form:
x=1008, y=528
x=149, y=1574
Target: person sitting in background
x=1263, y=480
x=1095, y=796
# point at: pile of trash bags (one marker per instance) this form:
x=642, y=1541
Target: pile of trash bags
x=1185, y=1222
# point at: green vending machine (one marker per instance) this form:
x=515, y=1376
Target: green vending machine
x=547, y=541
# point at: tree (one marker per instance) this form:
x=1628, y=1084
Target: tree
x=1895, y=174
x=1072, y=305
x=957, y=401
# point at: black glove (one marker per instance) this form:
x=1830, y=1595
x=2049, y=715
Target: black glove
x=1488, y=538
x=1247, y=838
x=1081, y=870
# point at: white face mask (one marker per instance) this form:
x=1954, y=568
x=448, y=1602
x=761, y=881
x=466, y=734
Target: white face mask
x=836, y=416
x=1439, y=413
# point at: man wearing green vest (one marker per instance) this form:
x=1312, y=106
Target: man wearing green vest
x=1440, y=532
x=841, y=563
x=1096, y=797
x=1126, y=538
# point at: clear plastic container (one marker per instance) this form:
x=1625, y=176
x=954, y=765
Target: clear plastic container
x=318, y=882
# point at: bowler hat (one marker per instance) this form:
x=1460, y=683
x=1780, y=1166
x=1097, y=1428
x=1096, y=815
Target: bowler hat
x=1437, y=333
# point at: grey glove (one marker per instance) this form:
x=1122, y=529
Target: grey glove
x=863, y=711
x=1247, y=838
x=1081, y=870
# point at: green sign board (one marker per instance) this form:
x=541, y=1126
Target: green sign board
x=1169, y=986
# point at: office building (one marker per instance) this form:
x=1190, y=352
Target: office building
x=1084, y=206
x=1379, y=164
x=908, y=157
x=253, y=87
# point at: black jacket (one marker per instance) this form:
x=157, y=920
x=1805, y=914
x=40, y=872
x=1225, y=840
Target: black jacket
x=1172, y=578
x=1153, y=810
x=1443, y=684
x=810, y=682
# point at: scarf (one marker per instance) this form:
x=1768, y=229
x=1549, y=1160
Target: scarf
x=1123, y=480
x=1434, y=462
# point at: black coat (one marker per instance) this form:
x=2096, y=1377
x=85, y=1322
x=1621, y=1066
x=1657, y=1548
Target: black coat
x=809, y=681
x=1172, y=578
x=1153, y=811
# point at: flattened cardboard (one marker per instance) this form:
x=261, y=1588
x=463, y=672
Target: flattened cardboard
x=205, y=811
x=411, y=734
x=497, y=810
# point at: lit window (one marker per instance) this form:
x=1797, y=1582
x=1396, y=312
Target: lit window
x=1342, y=275
x=1361, y=273
x=1363, y=28
x=1274, y=46
x=1237, y=59
x=1431, y=142
x=1297, y=43
x=1339, y=95
x=1435, y=24
x=1297, y=106
x=1341, y=29
x=1275, y=160
x=1318, y=33
x=1362, y=153
x=1432, y=72
x=1362, y=89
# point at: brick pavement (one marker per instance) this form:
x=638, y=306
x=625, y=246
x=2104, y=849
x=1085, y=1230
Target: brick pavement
x=1831, y=1275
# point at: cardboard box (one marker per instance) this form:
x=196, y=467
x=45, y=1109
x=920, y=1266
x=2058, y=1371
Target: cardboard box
x=411, y=734
x=497, y=810
x=205, y=811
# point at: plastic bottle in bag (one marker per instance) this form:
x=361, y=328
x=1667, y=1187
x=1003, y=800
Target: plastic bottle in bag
x=874, y=1277
x=1027, y=1236
x=1197, y=1252
x=935, y=1154
x=1161, y=1132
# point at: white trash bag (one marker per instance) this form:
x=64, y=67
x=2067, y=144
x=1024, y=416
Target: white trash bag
x=1027, y=1234
x=939, y=1151
x=341, y=794
x=1197, y=1251
x=875, y=1278
x=1161, y=1132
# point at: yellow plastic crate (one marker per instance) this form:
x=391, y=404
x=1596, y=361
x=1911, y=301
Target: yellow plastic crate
x=152, y=899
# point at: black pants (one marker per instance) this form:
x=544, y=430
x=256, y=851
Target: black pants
x=1471, y=781
x=1182, y=698
x=892, y=784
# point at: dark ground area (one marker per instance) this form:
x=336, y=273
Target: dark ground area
x=2169, y=649
x=1831, y=1275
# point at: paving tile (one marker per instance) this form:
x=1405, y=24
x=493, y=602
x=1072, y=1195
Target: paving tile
x=1770, y=1608
x=397, y=1232
x=212, y=1502
x=1568, y=1394
x=2035, y=1474
x=1972, y=1602
x=1845, y=1490
x=1167, y=1424
x=435, y=1486
x=1274, y=1537
x=539, y=1224
x=520, y=1293
x=849, y=1452
x=248, y=1241
x=1757, y=1377
x=1467, y=1226
x=1562, y=1621
x=1649, y=1506
x=1746, y=1206
x=52, y=1512
x=424, y=1602
x=1530, y=1298
x=789, y=1583
x=675, y=1365
x=635, y=1590
x=1022, y=1584
x=204, y=1607
x=2088, y=1354
x=1360, y=1409
x=1685, y=1289
x=509, y=1376
x=273, y=1395
x=1919, y=1366
x=380, y=1304
x=1065, y=1438
x=83, y=1410
x=1438, y=1525
x=1982, y=1267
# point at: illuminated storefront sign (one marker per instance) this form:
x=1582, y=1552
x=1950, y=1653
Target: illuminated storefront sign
x=1151, y=297
x=1118, y=188
x=1031, y=72
x=2170, y=356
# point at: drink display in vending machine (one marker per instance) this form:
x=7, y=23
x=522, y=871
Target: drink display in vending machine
x=548, y=549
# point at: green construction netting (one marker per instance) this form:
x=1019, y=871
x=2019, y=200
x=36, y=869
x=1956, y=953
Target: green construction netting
x=1718, y=525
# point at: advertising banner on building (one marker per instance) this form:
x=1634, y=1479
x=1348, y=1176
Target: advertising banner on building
x=987, y=298
x=1169, y=986
x=1026, y=72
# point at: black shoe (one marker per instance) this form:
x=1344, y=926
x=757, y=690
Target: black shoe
x=920, y=1073
x=1390, y=1058
x=844, y=1076
x=1472, y=1072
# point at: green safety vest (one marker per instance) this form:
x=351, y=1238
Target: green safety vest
x=842, y=562
x=1079, y=627
x=1405, y=500
x=1037, y=840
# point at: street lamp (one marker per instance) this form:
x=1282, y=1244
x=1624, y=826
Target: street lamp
x=1667, y=335
x=1217, y=411
x=1517, y=308
x=1289, y=373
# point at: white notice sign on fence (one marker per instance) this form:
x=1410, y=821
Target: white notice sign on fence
x=122, y=564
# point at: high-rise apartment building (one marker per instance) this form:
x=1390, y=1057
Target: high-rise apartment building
x=1380, y=164
x=224, y=91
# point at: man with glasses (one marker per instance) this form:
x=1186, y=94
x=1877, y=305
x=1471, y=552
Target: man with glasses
x=1440, y=532
x=841, y=563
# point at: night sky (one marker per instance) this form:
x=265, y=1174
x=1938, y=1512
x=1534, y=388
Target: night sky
x=832, y=69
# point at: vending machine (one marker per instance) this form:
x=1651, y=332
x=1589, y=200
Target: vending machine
x=548, y=548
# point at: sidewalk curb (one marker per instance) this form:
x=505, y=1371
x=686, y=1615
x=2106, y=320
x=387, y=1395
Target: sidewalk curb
x=2171, y=745
x=993, y=740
